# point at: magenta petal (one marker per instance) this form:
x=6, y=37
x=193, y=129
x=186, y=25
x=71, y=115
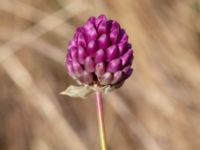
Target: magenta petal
x=92, y=19
x=114, y=65
x=103, y=27
x=114, y=36
x=112, y=52
x=81, y=40
x=122, y=48
x=114, y=26
x=127, y=57
x=100, y=69
x=128, y=46
x=90, y=23
x=89, y=64
x=91, y=34
x=117, y=77
x=72, y=43
x=81, y=54
x=100, y=19
x=103, y=41
x=77, y=68
x=106, y=78
x=123, y=36
x=87, y=77
x=91, y=48
x=100, y=56
x=127, y=71
x=74, y=53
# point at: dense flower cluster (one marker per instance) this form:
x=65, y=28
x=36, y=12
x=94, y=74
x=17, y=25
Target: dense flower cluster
x=99, y=53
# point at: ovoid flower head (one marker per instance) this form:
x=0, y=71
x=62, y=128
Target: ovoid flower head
x=99, y=53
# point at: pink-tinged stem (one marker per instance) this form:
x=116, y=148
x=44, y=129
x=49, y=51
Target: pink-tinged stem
x=99, y=105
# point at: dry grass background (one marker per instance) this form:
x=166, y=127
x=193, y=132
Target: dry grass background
x=157, y=109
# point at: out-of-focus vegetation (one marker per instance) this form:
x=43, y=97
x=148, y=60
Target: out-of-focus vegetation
x=158, y=108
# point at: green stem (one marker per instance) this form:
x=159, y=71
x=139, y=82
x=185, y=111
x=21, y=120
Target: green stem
x=99, y=105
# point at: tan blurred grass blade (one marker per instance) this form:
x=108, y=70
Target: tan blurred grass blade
x=48, y=23
x=43, y=104
x=132, y=123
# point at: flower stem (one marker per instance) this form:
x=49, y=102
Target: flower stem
x=99, y=106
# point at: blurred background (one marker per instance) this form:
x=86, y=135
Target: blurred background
x=158, y=108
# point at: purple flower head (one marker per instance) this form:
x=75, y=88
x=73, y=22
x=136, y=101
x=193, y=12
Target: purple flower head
x=99, y=53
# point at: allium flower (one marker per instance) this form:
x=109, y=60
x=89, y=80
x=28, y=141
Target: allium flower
x=99, y=53
x=99, y=57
